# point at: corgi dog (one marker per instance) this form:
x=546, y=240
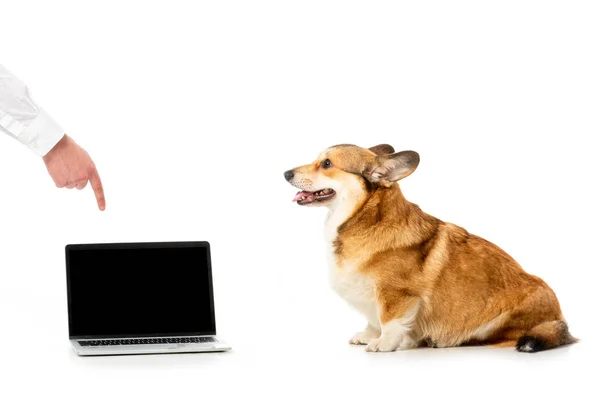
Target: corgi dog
x=419, y=281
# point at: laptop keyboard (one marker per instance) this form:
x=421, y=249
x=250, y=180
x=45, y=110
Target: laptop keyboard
x=131, y=342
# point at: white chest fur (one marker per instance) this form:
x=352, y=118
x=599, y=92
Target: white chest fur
x=344, y=277
x=354, y=287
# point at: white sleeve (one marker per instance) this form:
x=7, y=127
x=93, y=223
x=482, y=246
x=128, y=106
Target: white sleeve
x=22, y=119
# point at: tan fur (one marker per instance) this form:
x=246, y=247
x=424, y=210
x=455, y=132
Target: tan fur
x=464, y=289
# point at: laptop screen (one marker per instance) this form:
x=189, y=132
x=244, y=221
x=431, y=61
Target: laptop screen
x=148, y=289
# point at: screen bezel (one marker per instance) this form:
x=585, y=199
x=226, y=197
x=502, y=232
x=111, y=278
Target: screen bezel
x=136, y=246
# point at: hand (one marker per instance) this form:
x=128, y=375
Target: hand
x=70, y=166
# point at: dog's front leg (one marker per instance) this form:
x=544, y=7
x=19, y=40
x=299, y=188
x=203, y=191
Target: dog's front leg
x=397, y=314
x=365, y=336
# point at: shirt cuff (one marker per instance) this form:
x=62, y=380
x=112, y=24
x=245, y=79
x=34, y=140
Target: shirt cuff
x=42, y=134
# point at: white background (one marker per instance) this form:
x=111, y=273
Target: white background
x=193, y=111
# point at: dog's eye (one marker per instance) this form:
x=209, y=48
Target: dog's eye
x=326, y=163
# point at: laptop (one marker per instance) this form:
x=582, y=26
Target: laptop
x=141, y=298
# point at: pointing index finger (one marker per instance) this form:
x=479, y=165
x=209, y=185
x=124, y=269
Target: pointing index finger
x=96, y=184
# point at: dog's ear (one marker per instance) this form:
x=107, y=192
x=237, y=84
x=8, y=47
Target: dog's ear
x=382, y=149
x=389, y=168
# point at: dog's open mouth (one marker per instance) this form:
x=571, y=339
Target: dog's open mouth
x=303, y=198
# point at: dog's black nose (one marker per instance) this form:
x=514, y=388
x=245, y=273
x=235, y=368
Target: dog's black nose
x=288, y=175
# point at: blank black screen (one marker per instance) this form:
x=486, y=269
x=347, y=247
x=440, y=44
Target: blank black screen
x=139, y=292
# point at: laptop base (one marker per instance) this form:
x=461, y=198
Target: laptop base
x=161, y=348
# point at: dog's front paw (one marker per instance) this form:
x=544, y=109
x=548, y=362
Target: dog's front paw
x=383, y=344
x=363, y=337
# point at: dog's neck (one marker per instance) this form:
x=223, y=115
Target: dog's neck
x=382, y=205
x=340, y=210
x=345, y=207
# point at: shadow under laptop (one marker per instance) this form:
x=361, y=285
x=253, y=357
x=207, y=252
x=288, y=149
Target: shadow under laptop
x=154, y=361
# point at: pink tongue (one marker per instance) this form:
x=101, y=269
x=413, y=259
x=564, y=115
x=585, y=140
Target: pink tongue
x=299, y=195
